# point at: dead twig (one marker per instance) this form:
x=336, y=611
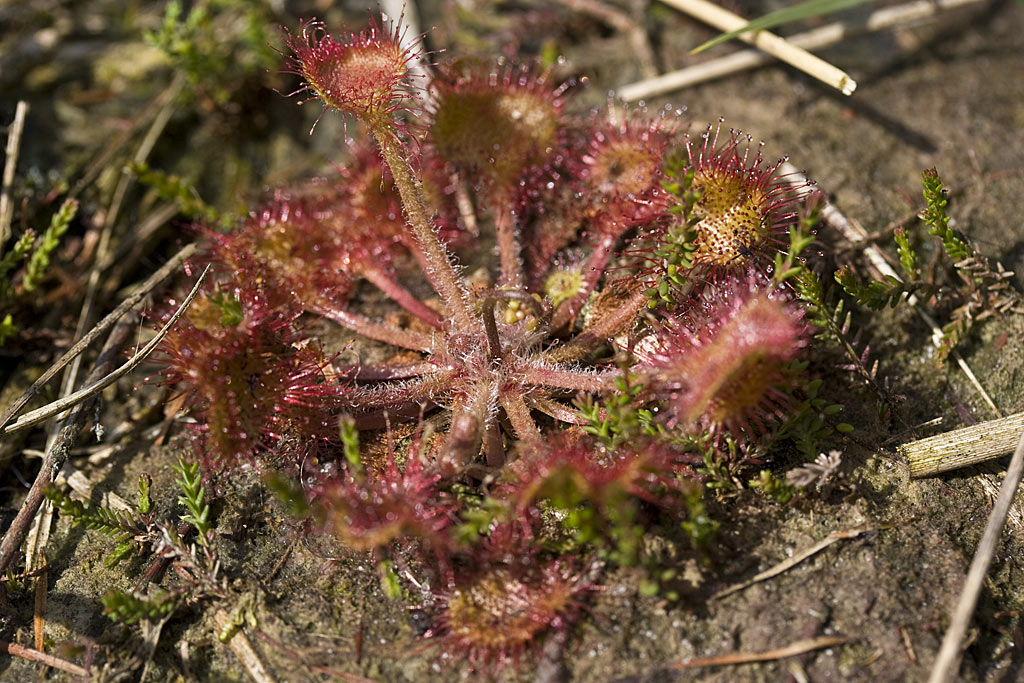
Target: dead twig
x=793, y=561
x=28, y=653
x=798, y=648
x=824, y=36
x=774, y=45
x=947, y=663
x=57, y=454
x=14, y=133
x=963, y=447
x=145, y=288
x=93, y=388
x=243, y=650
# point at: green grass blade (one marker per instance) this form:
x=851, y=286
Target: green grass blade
x=803, y=10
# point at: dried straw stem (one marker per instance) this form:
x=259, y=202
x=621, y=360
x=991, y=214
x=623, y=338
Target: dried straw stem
x=768, y=42
x=887, y=17
x=963, y=447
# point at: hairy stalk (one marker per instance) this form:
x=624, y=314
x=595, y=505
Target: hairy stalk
x=574, y=380
x=471, y=418
x=381, y=373
x=406, y=339
x=605, y=328
x=441, y=271
x=508, y=246
x=519, y=415
x=556, y=410
x=401, y=296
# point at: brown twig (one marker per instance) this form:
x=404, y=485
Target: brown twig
x=57, y=454
x=244, y=651
x=94, y=387
x=793, y=561
x=28, y=653
x=145, y=288
x=798, y=648
x=886, y=17
x=963, y=447
x=947, y=662
x=774, y=45
x=14, y=133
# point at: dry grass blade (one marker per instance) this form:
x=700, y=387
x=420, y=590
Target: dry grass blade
x=14, y=133
x=769, y=42
x=963, y=447
x=59, y=448
x=145, y=288
x=798, y=648
x=244, y=651
x=59, y=406
x=793, y=561
x=887, y=17
x=947, y=662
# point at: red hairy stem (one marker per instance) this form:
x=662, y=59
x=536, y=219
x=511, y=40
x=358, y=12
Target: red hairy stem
x=406, y=339
x=508, y=245
x=593, y=270
x=440, y=269
x=384, y=281
x=471, y=416
x=494, y=449
x=601, y=331
x=519, y=415
x=574, y=380
x=380, y=373
x=558, y=411
x=398, y=394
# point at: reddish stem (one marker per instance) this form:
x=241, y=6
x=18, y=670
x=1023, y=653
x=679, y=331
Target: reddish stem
x=380, y=373
x=508, y=245
x=440, y=268
x=574, y=380
x=400, y=295
x=519, y=415
x=608, y=326
x=406, y=339
x=558, y=411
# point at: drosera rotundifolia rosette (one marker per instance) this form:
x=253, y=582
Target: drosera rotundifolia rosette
x=560, y=405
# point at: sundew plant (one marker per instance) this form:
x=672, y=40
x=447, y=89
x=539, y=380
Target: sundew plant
x=592, y=322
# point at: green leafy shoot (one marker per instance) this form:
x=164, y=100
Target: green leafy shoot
x=908, y=258
x=216, y=43
x=229, y=306
x=15, y=256
x=801, y=236
x=144, y=503
x=618, y=419
x=122, y=526
x=38, y=263
x=775, y=488
x=936, y=217
x=7, y=329
x=129, y=609
x=786, y=15
x=193, y=497
x=172, y=187
x=350, y=444
x=875, y=294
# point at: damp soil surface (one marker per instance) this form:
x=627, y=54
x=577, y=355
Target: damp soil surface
x=948, y=95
